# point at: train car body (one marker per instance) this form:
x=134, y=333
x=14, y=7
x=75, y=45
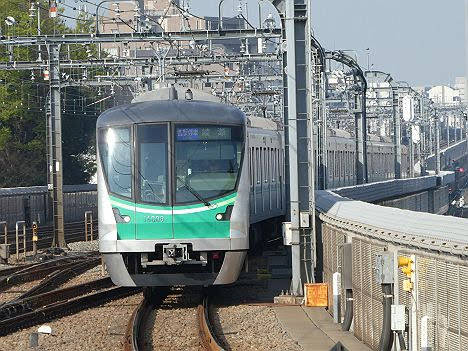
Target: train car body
x=185, y=186
x=174, y=183
x=341, y=159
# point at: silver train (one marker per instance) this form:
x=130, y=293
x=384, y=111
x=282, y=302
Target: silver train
x=186, y=220
x=341, y=159
x=186, y=186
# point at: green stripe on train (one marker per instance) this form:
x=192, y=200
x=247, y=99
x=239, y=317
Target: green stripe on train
x=182, y=222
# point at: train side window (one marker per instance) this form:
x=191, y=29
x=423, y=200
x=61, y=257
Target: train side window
x=272, y=160
x=342, y=173
x=259, y=165
x=278, y=164
x=263, y=163
x=250, y=166
x=257, y=170
x=345, y=161
x=335, y=162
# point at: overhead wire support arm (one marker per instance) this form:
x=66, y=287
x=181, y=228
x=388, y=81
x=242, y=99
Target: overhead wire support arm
x=201, y=35
x=111, y=62
x=360, y=116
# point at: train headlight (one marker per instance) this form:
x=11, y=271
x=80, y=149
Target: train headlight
x=126, y=219
x=219, y=216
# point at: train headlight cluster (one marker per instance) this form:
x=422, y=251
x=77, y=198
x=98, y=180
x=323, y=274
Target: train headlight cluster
x=219, y=216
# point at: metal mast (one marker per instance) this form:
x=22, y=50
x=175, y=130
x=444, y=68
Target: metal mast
x=299, y=141
x=55, y=132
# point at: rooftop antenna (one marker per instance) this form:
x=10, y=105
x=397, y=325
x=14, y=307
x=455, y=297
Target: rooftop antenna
x=172, y=93
x=188, y=94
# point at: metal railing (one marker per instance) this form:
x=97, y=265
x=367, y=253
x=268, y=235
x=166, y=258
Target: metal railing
x=23, y=223
x=88, y=218
x=5, y=227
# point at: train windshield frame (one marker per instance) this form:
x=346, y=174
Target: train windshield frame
x=167, y=164
x=207, y=161
x=152, y=176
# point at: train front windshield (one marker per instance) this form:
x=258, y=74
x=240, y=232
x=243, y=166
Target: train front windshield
x=207, y=161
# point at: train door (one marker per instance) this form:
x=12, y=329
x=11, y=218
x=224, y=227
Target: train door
x=252, y=181
x=154, y=217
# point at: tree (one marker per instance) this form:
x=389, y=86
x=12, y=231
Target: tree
x=23, y=101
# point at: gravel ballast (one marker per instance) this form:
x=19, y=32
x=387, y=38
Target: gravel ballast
x=100, y=328
x=174, y=323
x=242, y=326
x=239, y=319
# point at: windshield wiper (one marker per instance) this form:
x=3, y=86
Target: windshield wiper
x=193, y=192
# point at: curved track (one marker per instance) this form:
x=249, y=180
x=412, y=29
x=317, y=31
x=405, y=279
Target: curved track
x=23, y=274
x=43, y=307
x=135, y=328
x=208, y=338
x=135, y=334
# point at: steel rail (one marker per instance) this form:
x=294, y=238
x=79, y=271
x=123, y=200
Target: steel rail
x=16, y=308
x=38, y=271
x=8, y=271
x=135, y=331
x=60, y=277
x=208, y=339
x=63, y=307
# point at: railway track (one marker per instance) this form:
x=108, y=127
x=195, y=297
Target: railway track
x=138, y=325
x=58, y=303
x=44, y=301
x=55, y=279
x=69, y=265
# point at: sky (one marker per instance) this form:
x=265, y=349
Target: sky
x=418, y=41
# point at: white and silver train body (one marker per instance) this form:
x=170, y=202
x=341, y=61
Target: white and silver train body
x=175, y=191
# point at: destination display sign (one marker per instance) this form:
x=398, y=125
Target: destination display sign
x=203, y=133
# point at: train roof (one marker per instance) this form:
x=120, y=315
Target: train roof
x=172, y=110
x=164, y=93
x=262, y=123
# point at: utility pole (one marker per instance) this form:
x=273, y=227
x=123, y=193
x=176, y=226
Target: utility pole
x=410, y=149
x=437, y=142
x=360, y=136
x=396, y=131
x=447, y=125
x=299, y=142
x=466, y=55
x=55, y=163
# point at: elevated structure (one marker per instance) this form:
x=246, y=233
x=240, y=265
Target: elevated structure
x=366, y=243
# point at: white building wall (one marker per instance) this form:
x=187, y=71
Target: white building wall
x=445, y=95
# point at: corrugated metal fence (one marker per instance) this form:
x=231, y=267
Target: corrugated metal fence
x=439, y=293
x=31, y=204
